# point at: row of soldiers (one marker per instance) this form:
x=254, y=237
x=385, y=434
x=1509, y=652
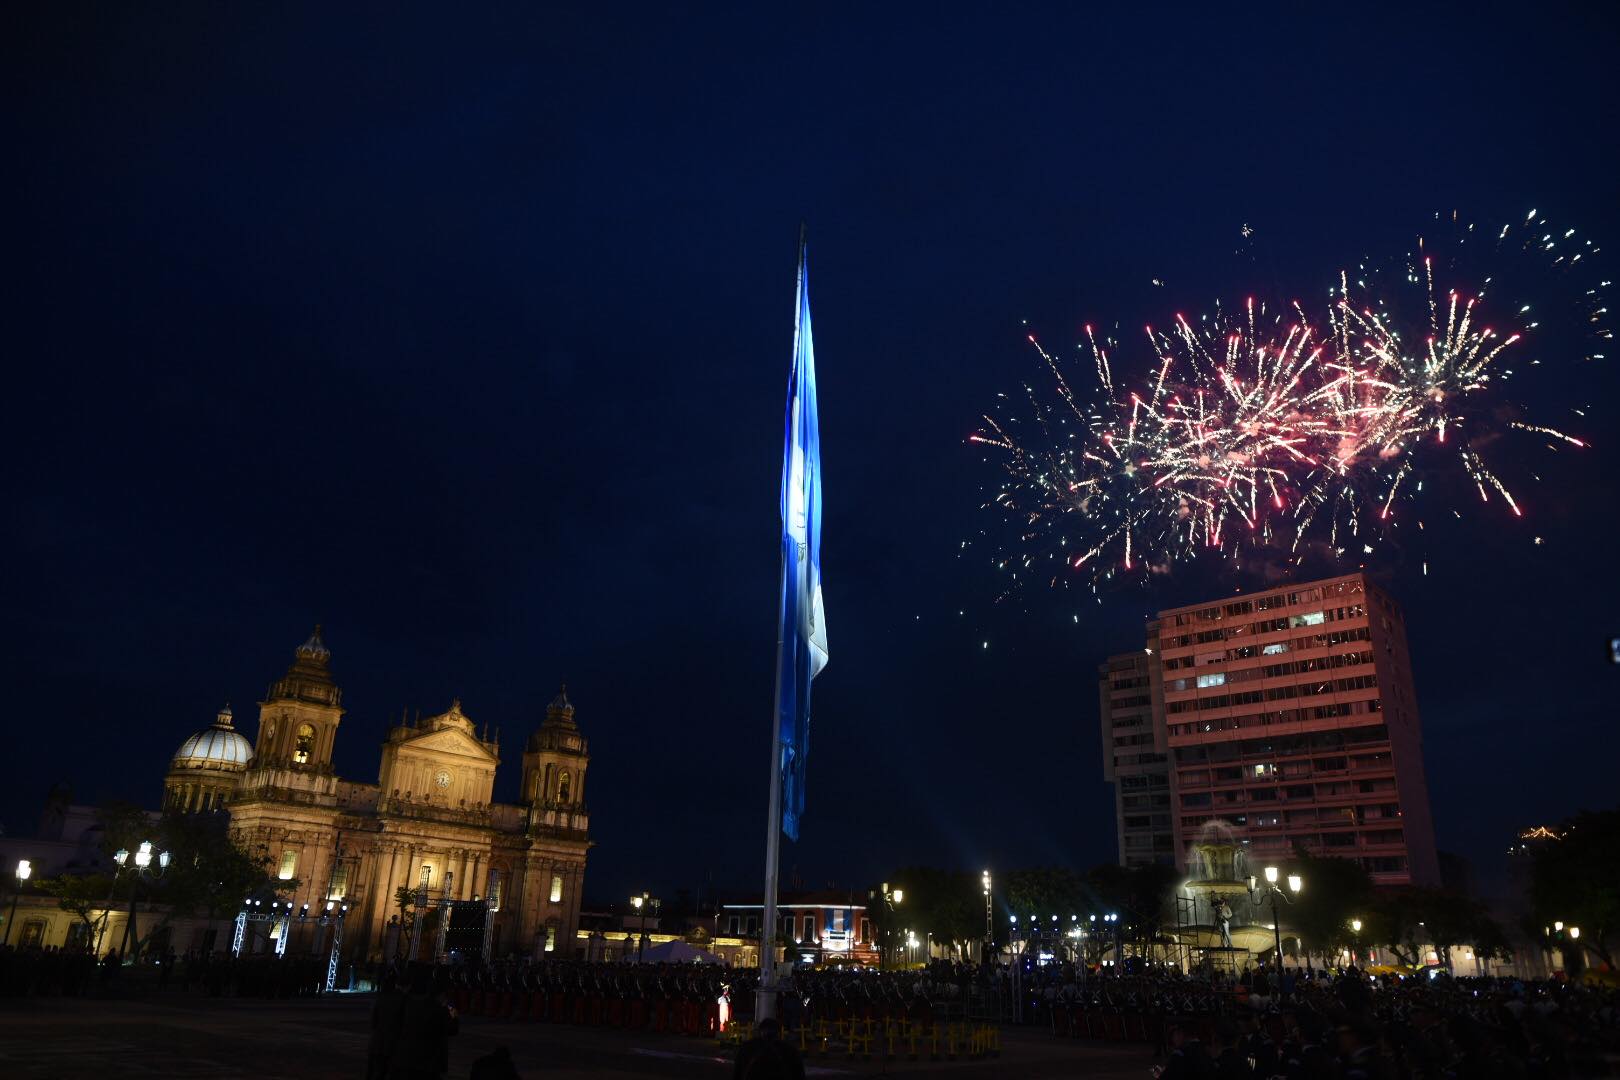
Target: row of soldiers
x=53, y=971
x=680, y=998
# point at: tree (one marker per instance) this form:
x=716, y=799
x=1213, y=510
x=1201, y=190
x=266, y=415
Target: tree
x=1139, y=895
x=1575, y=880
x=1335, y=892
x=1404, y=919
x=124, y=826
x=1046, y=891
x=1396, y=924
x=89, y=896
x=946, y=905
x=208, y=874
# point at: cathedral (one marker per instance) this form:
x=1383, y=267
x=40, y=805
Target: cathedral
x=428, y=823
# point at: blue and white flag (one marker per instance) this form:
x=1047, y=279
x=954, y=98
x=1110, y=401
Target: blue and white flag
x=803, y=633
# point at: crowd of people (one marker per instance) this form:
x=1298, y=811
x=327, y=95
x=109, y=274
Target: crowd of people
x=1338, y=1024
x=1296, y=1024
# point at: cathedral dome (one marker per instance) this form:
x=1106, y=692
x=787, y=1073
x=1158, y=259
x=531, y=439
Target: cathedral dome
x=219, y=746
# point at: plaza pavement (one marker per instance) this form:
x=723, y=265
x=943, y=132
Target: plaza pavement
x=191, y=1038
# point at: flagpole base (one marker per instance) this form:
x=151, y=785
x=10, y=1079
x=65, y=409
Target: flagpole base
x=765, y=1004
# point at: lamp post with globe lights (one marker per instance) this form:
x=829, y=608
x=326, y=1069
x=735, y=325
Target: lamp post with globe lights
x=1295, y=884
x=989, y=928
x=892, y=898
x=644, y=903
x=140, y=867
x=25, y=870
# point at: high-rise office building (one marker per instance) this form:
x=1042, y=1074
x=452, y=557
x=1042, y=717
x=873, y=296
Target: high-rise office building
x=1291, y=714
x=1134, y=756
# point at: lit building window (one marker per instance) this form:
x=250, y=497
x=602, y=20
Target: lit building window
x=304, y=747
x=1218, y=679
x=289, y=865
x=556, y=888
x=425, y=878
x=494, y=890
x=340, y=882
x=565, y=785
x=551, y=939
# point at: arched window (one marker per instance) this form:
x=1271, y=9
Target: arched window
x=304, y=747
x=565, y=784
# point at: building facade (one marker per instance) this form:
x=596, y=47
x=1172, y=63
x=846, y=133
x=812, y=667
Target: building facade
x=428, y=824
x=1291, y=715
x=818, y=927
x=1135, y=755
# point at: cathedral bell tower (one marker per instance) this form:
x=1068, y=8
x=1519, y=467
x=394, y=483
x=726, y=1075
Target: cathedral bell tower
x=555, y=759
x=299, y=717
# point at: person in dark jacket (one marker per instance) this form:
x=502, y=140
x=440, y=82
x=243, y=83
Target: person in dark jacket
x=1188, y=1058
x=1231, y=1063
x=1359, y=1057
x=419, y=1038
x=384, y=1023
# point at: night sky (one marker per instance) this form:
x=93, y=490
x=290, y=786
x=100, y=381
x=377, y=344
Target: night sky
x=466, y=334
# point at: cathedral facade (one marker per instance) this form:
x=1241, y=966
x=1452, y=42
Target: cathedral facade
x=428, y=824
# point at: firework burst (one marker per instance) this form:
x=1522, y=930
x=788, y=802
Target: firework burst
x=1266, y=432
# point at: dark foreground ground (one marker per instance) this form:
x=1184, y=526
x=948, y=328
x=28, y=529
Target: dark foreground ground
x=67, y=1038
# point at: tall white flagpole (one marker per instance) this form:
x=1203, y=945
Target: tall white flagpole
x=765, y=996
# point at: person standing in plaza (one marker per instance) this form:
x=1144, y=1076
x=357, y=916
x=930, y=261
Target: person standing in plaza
x=418, y=1040
x=384, y=1023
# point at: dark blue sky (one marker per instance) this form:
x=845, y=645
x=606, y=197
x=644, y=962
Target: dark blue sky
x=466, y=333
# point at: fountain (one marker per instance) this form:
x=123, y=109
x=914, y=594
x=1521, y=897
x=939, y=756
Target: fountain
x=1215, y=865
x=1217, y=887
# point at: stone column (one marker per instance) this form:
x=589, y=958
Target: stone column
x=309, y=869
x=380, y=891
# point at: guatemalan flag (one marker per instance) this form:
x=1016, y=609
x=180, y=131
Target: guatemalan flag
x=803, y=633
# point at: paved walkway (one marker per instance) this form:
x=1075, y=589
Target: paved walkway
x=325, y=1039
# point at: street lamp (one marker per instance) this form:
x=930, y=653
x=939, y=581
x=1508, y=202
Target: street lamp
x=647, y=901
x=25, y=870
x=891, y=899
x=1295, y=884
x=1355, y=928
x=140, y=866
x=989, y=930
